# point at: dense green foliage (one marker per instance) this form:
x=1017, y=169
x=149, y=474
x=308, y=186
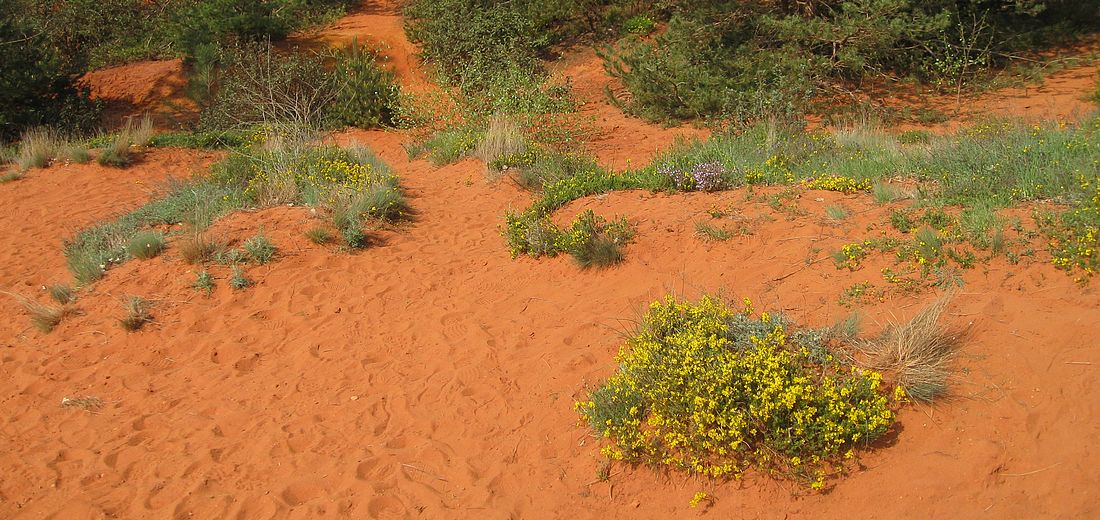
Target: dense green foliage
x=746, y=60
x=257, y=85
x=37, y=84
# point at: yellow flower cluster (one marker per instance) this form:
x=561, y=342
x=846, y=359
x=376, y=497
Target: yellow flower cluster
x=1076, y=241
x=837, y=183
x=712, y=391
x=851, y=256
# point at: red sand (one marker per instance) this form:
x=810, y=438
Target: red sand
x=432, y=376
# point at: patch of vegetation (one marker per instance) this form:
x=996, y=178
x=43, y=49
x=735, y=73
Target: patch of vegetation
x=260, y=249
x=204, y=281
x=137, y=313
x=711, y=233
x=591, y=240
x=712, y=391
x=746, y=61
x=254, y=85
x=352, y=182
x=119, y=152
x=61, y=293
x=319, y=235
x=916, y=355
x=836, y=212
x=146, y=244
x=240, y=279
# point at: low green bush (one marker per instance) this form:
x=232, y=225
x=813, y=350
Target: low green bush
x=712, y=391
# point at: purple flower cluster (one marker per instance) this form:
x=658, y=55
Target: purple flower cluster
x=708, y=176
x=678, y=177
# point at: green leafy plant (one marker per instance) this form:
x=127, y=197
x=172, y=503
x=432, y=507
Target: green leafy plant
x=240, y=279
x=260, y=249
x=204, y=281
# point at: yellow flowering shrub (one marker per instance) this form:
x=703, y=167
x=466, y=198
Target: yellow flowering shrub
x=1075, y=234
x=711, y=391
x=837, y=183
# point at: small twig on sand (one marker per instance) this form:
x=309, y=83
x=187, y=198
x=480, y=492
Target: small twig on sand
x=410, y=466
x=1078, y=362
x=1030, y=472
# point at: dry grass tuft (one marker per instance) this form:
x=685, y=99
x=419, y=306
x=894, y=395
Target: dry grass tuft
x=133, y=136
x=503, y=138
x=137, y=313
x=87, y=403
x=197, y=249
x=917, y=354
x=44, y=317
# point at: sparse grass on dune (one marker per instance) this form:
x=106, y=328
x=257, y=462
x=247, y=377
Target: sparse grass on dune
x=132, y=138
x=504, y=137
x=352, y=182
x=260, y=249
x=44, y=317
x=40, y=146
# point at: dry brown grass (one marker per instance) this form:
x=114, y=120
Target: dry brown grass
x=503, y=138
x=197, y=249
x=44, y=317
x=916, y=355
x=137, y=313
x=87, y=403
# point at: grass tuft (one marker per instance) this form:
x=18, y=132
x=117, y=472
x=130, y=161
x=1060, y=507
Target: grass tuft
x=61, y=293
x=137, y=313
x=916, y=354
x=44, y=317
x=197, y=249
x=319, y=235
x=119, y=152
x=240, y=279
x=146, y=245
x=711, y=233
x=503, y=138
x=87, y=403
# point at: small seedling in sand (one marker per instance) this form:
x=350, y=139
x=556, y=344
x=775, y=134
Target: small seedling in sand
x=239, y=280
x=319, y=235
x=137, y=313
x=146, y=244
x=711, y=233
x=260, y=249
x=87, y=403
x=61, y=293
x=204, y=282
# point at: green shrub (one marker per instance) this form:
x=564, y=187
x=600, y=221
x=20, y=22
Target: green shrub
x=239, y=280
x=146, y=244
x=37, y=78
x=260, y=249
x=204, y=282
x=710, y=391
x=369, y=95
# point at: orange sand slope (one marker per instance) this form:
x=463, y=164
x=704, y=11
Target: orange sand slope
x=432, y=376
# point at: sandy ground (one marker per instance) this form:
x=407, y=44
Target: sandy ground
x=432, y=376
